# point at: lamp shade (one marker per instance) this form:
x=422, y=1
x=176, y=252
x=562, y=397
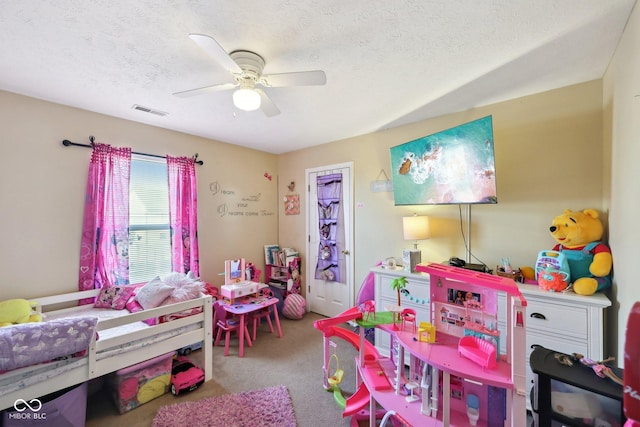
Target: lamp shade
x=246, y=99
x=415, y=227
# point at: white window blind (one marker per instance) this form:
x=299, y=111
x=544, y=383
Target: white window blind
x=149, y=231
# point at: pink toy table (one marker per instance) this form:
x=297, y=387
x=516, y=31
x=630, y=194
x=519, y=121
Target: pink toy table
x=248, y=305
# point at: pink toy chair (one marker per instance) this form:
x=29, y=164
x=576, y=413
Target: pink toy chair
x=264, y=313
x=369, y=307
x=408, y=316
x=227, y=324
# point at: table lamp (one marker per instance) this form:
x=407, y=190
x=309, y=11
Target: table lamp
x=414, y=228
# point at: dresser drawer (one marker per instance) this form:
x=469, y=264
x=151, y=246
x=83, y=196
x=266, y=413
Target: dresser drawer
x=556, y=343
x=557, y=319
x=416, y=291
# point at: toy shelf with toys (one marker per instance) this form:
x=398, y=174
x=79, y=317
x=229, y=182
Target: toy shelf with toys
x=457, y=375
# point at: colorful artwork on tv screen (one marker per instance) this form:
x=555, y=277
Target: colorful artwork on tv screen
x=454, y=166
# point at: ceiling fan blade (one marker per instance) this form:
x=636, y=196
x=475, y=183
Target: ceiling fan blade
x=205, y=89
x=266, y=104
x=220, y=55
x=301, y=78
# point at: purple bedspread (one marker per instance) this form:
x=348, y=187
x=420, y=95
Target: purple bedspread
x=31, y=343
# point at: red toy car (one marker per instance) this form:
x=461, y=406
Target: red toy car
x=185, y=376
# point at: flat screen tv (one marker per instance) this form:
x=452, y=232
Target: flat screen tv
x=454, y=166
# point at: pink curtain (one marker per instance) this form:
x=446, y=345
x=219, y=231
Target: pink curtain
x=183, y=215
x=104, y=251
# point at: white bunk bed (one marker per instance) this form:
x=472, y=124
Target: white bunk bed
x=122, y=340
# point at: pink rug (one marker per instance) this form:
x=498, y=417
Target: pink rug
x=269, y=406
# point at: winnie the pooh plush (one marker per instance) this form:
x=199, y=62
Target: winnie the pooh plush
x=15, y=311
x=578, y=236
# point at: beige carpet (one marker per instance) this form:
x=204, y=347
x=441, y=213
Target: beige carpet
x=295, y=360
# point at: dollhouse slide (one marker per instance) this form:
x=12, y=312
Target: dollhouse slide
x=329, y=328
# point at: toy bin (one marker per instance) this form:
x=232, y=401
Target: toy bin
x=140, y=383
x=66, y=407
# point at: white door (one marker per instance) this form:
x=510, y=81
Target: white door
x=328, y=297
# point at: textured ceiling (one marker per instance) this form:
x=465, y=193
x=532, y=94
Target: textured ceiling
x=388, y=62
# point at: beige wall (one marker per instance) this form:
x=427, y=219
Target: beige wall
x=548, y=159
x=622, y=195
x=42, y=185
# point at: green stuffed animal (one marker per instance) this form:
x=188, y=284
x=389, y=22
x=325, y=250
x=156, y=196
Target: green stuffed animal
x=578, y=236
x=15, y=311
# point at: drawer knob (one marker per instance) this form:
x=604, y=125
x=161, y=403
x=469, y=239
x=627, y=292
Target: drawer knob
x=538, y=316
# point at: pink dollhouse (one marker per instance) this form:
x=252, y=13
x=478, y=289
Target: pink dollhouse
x=462, y=378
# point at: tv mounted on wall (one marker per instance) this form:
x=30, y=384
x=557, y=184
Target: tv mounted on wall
x=454, y=166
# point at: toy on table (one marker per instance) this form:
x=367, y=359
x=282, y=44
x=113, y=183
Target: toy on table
x=410, y=386
x=552, y=271
x=528, y=274
x=252, y=272
x=553, y=280
x=15, y=311
x=234, y=270
x=599, y=367
x=368, y=308
x=478, y=351
x=408, y=316
x=335, y=379
x=578, y=236
x=399, y=284
x=338, y=374
x=235, y=283
x=426, y=332
x=506, y=270
x=396, y=312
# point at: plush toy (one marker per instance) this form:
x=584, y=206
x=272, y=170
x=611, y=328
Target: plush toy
x=17, y=311
x=578, y=236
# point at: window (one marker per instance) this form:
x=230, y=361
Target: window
x=149, y=230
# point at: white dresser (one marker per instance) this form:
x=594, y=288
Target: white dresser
x=416, y=296
x=564, y=322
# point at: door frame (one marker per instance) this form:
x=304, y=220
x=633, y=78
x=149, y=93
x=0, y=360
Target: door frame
x=349, y=258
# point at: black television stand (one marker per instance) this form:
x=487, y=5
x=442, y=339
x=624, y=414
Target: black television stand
x=573, y=395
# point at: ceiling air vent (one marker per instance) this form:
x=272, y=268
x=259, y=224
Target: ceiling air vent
x=149, y=110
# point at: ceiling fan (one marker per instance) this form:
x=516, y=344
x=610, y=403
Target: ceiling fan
x=246, y=68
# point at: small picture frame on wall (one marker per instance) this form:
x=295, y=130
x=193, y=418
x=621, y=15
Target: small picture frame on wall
x=292, y=204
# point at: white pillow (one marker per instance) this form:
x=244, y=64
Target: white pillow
x=153, y=293
x=185, y=293
x=175, y=279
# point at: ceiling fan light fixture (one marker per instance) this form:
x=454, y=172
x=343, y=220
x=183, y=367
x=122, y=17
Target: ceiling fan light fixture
x=246, y=99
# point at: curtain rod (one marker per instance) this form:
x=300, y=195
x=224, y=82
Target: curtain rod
x=68, y=143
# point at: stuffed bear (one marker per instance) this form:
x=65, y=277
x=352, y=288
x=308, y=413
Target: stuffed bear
x=17, y=311
x=578, y=236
